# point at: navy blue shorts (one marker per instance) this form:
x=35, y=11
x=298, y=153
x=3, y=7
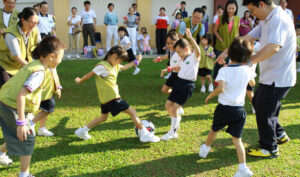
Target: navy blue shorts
x=48, y=105
x=204, y=72
x=233, y=116
x=172, y=79
x=114, y=107
x=182, y=90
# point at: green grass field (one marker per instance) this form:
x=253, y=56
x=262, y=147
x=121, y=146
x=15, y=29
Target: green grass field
x=114, y=149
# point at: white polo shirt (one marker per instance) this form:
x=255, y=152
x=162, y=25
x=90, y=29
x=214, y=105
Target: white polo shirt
x=124, y=41
x=175, y=59
x=288, y=11
x=277, y=28
x=88, y=17
x=46, y=23
x=189, y=68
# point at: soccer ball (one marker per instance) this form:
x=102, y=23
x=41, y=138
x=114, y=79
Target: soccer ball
x=148, y=125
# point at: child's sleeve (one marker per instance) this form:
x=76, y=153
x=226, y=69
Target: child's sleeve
x=221, y=75
x=100, y=70
x=34, y=81
x=251, y=74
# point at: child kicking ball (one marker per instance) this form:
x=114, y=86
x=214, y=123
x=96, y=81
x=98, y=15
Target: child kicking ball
x=106, y=73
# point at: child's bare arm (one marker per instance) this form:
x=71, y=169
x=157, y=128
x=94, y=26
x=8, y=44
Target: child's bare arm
x=194, y=43
x=79, y=80
x=132, y=64
x=217, y=91
x=252, y=83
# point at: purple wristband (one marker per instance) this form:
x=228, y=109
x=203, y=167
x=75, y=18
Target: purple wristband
x=59, y=87
x=21, y=122
x=136, y=62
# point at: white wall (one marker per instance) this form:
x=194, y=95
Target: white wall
x=100, y=7
x=170, y=6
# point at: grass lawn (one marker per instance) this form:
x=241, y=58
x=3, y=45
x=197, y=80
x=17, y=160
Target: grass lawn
x=114, y=149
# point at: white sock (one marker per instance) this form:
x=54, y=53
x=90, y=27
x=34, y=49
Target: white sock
x=175, y=123
x=42, y=128
x=205, y=146
x=24, y=174
x=86, y=129
x=242, y=166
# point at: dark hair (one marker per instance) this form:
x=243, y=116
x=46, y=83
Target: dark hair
x=183, y=2
x=208, y=37
x=204, y=7
x=74, y=8
x=162, y=8
x=36, y=5
x=256, y=2
x=178, y=13
x=247, y=11
x=199, y=10
x=26, y=13
x=122, y=28
x=134, y=4
x=43, y=3
x=182, y=43
x=220, y=7
x=87, y=2
x=172, y=34
x=48, y=45
x=110, y=4
x=120, y=51
x=240, y=50
x=225, y=14
x=144, y=29
x=145, y=32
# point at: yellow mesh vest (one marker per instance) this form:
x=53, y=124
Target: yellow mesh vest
x=51, y=84
x=12, y=21
x=188, y=23
x=11, y=89
x=7, y=61
x=206, y=61
x=107, y=87
x=224, y=33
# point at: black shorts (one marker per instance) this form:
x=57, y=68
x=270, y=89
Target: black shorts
x=48, y=105
x=114, y=107
x=182, y=90
x=131, y=55
x=172, y=79
x=204, y=72
x=249, y=88
x=233, y=116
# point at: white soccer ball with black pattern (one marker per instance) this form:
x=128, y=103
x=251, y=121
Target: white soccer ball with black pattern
x=148, y=125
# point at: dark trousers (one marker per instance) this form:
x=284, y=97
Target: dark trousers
x=88, y=30
x=161, y=37
x=266, y=102
x=217, y=65
x=4, y=76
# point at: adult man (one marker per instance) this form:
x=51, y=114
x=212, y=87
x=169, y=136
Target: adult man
x=37, y=8
x=111, y=21
x=138, y=17
x=193, y=23
x=277, y=71
x=88, y=22
x=8, y=15
x=46, y=21
x=284, y=4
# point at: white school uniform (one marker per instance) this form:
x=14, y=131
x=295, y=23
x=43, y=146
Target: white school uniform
x=189, y=68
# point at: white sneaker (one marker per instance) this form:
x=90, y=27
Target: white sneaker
x=77, y=56
x=149, y=138
x=203, y=150
x=44, y=132
x=69, y=56
x=253, y=110
x=5, y=160
x=203, y=89
x=246, y=172
x=210, y=88
x=167, y=76
x=136, y=71
x=82, y=134
x=169, y=136
x=180, y=111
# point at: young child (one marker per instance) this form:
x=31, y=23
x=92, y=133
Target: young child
x=146, y=44
x=177, y=21
x=48, y=102
x=22, y=95
x=207, y=62
x=231, y=89
x=184, y=85
x=140, y=39
x=106, y=73
x=125, y=43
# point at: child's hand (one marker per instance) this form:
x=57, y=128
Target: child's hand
x=188, y=33
x=163, y=72
x=22, y=132
x=176, y=68
x=207, y=99
x=77, y=80
x=58, y=93
x=158, y=59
